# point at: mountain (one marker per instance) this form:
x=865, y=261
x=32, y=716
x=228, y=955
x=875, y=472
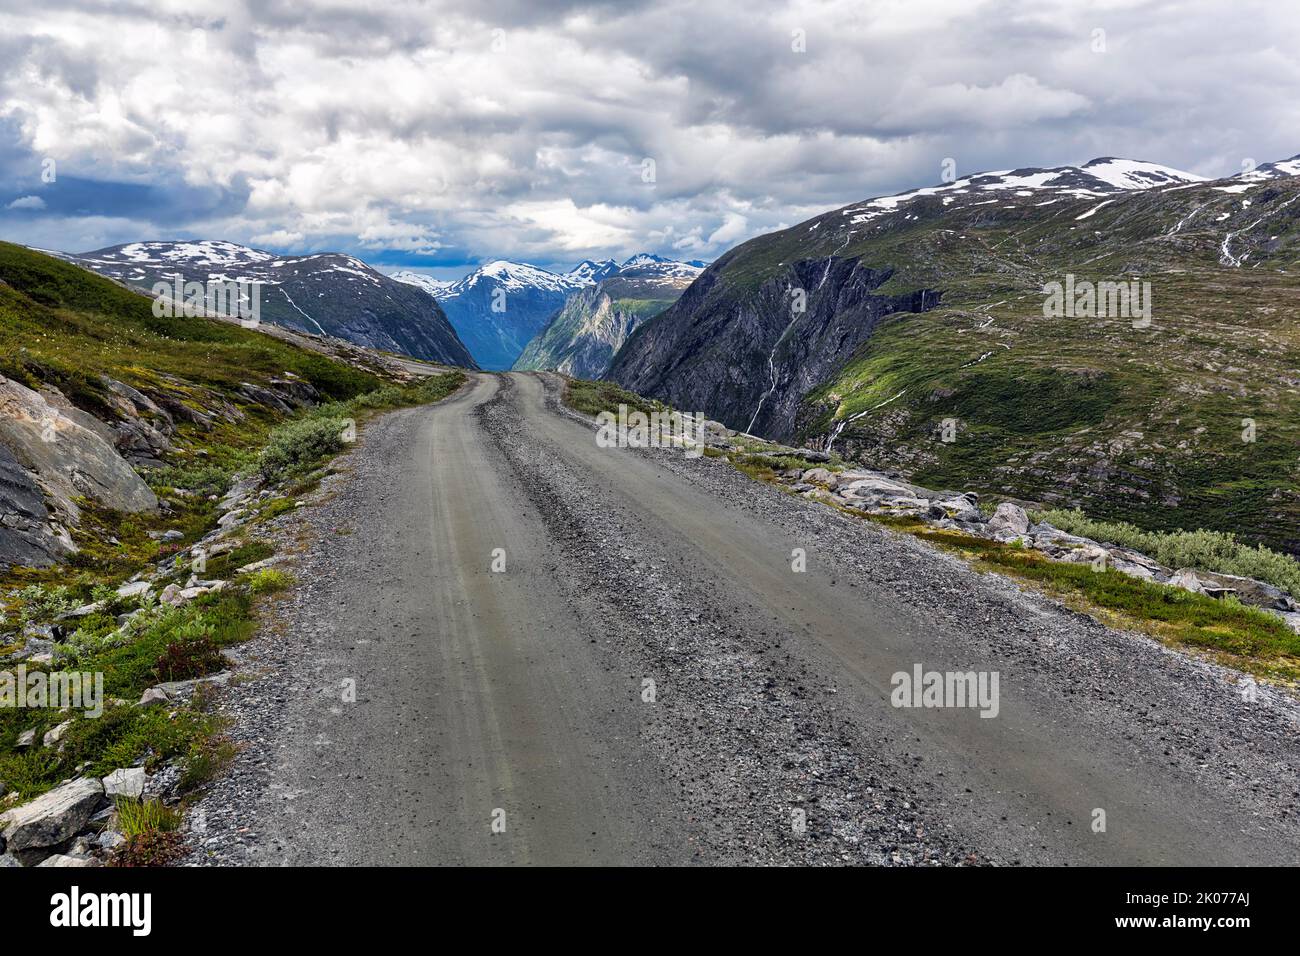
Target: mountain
x=588, y=271
x=930, y=314
x=500, y=306
x=97, y=393
x=326, y=294
x=1285, y=167
x=581, y=339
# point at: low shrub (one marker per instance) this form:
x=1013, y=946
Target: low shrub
x=299, y=444
x=1208, y=550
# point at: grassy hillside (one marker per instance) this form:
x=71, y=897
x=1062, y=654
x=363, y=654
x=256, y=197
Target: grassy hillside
x=64, y=325
x=1137, y=424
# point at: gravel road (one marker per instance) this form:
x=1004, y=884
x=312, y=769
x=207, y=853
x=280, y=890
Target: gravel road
x=648, y=681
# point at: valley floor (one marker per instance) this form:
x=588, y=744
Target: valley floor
x=648, y=681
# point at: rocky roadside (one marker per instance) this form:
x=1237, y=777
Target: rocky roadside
x=880, y=494
x=753, y=730
x=76, y=823
x=1184, y=714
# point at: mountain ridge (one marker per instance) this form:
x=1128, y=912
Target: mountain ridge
x=929, y=305
x=328, y=294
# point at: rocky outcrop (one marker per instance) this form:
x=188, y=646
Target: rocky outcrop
x=27, y=535
x=44, y=448
x=52, y=818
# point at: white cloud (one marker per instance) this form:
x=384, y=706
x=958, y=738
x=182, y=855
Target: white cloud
x=408, y=128
x=27, y=202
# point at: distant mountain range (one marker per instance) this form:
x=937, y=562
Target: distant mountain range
x=328, y=294
x=499, y=308
x=869, y=327
x=582, y=338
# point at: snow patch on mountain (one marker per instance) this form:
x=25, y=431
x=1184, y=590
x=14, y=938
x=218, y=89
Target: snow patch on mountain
x=1285, y=167
x=1097, y=178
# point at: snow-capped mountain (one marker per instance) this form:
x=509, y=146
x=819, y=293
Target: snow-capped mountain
x=435, y=287
x=1097, y=178
x=588, y=271
x=588, y=331
x=1283, y=167
x=501, y=306
x=326, y=294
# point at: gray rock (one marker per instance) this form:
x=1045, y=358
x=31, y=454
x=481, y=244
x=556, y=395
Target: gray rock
x=960, y=508
x=9, y=862
x=232, y=518
x=109, y=840
x=1186, y=579
x=152, y=696
x=126, y=782
x=821, y=476
x=54, y=817
x=67, y=459
x=26, y=739
x=85, y=609
x=179, y=689
x=52, y=737
x=259, y=565
x=134, y=589
x=1009, y=517
x=26, y=534
x=62, y=859
x=866, y=486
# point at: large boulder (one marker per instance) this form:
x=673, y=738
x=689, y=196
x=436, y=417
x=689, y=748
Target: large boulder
x=865, y=485
x=54, y=817
x=1009, y=519
x=67, y=459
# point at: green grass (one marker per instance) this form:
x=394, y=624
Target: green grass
x=135, y=817
x=594, y=397
x=269, y=581
x=64, y=326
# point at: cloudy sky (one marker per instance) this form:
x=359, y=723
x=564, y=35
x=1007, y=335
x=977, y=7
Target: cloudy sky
x=437, y=135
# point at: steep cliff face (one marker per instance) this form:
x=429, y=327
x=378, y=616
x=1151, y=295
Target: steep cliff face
x=583, y=337
x=748, y=359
